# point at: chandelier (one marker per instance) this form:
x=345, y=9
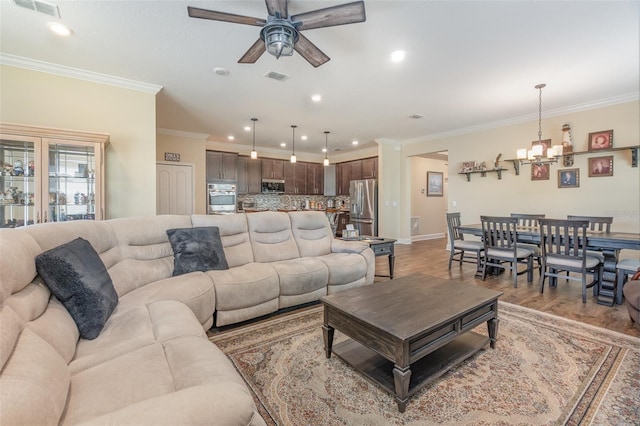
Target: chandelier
x=537, y=154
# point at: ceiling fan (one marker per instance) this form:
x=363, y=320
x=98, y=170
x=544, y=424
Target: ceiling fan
x=280, y=34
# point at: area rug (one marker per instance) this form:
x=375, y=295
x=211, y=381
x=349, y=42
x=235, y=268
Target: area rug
x=545, y=370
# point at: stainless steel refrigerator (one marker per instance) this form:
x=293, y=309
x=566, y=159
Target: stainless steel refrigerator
x=364, y=206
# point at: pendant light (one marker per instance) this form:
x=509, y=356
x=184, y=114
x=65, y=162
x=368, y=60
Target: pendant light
x=293, y=144
x=254, y=153
x=326, y=147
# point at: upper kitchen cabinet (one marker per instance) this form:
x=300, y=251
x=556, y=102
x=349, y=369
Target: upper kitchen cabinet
x=343, y=177
x=315, y=179
x=370, y=168
x=249, y=175
x=295, y=178
x=50, y=175
x=272, y=168
x=221, y=167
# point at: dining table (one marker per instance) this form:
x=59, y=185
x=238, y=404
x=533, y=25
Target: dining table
x=608, y=243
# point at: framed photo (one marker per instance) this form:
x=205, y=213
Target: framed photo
x=539, y=171
x=434, y=184
x=545, y=145
x=467, y=166
x=601, y=140
x=601, y=166
x=569, y=178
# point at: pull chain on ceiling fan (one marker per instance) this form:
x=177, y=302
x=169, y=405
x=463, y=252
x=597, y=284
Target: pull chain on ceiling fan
x=280, y=34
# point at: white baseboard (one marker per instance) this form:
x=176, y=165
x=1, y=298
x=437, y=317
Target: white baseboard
x=427, y=237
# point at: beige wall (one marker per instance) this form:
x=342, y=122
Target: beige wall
x=192, y=151
x=128, y=116
x=617, y=196
x=429, y=210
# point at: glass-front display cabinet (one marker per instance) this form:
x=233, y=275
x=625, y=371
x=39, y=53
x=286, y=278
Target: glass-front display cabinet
x=50, y=175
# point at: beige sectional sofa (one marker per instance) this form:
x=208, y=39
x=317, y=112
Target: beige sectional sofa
x=152, y=362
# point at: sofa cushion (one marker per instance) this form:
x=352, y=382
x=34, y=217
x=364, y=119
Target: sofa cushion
x=312, y=233
x=301, y=280
x=234, y=234
x=271, y=237
x=79, y=279
x=197, y=249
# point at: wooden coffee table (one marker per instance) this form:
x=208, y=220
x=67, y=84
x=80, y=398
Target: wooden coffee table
x=407, y=332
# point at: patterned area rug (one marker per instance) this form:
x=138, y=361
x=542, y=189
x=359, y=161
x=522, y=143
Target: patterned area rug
x=545, y=370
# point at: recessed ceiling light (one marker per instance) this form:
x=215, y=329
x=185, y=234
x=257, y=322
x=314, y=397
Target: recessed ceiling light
x=221, y=71
x=398, y=56
x=354, y=142
x=247, y=128
x=303, y=137
x=231, y=137
x=282, y=144
x=324, y=149
x=60, y=29
x=316, y=98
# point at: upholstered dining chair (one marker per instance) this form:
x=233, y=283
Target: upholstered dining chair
x=500, y=236
x=527, y=220
x=596, y=224
x=563, y=249
x=460, y=248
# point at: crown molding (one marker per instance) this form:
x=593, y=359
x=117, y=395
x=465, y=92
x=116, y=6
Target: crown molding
x=601, y=103
x=47, y=67
x=182, y=134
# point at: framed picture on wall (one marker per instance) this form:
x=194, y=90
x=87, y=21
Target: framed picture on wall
x=569, y=178
x=539, y=171
x=601, y=166
x=545, y=145
x=435, y=184
x=601, y=140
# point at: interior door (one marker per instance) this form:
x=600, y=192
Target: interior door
x=174, y=186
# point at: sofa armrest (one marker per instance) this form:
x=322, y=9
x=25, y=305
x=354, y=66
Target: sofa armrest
x=342, y=246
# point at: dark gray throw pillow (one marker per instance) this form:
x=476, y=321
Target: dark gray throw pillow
x=197, y=249
x=76, y=275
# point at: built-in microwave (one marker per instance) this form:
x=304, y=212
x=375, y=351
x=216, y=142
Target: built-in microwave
x=222, y=198
x=272, y=186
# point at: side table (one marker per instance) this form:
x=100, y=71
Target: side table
x=382, y=247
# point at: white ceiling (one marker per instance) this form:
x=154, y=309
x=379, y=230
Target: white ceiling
x=469, y=64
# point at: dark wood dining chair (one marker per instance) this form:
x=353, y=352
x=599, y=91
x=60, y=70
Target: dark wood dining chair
x=596, y=224
x=528, y=220
x=500, y=236
x=460, y=248
x=563, y=249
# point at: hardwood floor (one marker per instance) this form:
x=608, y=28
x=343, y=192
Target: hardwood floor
x=431, y=257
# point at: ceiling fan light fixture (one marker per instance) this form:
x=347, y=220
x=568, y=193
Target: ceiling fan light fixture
x=279, y=38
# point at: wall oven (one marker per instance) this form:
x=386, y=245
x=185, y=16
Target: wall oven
x=221, y=198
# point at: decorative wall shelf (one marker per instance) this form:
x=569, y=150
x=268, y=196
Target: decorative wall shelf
x=634, y=156
x=483, y=173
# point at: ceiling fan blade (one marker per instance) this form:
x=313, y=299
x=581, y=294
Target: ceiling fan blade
x=195, y=12
x=254, y=53
x=348, y=13
x=280, y=6
x=310, y=51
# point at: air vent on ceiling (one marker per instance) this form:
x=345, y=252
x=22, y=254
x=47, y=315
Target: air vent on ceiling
x=39, y=6
x=416, y=116
x=276, y=76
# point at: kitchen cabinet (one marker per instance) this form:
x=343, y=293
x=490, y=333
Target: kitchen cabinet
x=50, y=175
x=343, y=176
x=356, y=169
x=221, y=166
x=315, y=179
x=370, y=168
x=249, y=175
x=295, y=178
x=272, y=168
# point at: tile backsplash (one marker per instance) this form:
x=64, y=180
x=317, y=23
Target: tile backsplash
x=290, y=202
